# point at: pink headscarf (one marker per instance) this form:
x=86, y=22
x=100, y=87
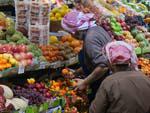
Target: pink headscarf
x=119, y=52
x=76, y=20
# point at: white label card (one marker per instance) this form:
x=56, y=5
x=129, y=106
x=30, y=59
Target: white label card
x=21, y=69
x=72, y=60
x=42, y=65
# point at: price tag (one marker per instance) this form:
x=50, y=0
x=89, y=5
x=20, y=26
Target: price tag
x=56, y=64
x=55, y=110
x=42, y=65
x=72, y=60
x=35, y=61
x=21, y=69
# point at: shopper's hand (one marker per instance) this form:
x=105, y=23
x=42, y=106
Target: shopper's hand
x=81, y=85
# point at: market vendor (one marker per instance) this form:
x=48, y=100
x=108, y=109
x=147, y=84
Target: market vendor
x=127, y=90
x=91, y=58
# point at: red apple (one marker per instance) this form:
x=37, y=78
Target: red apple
x=23, y=55
x=22, y=48
x=15, y=49
x=38, y=85
x=48, y=95
x=29, y=55
x=74, y=110
x=29, y=61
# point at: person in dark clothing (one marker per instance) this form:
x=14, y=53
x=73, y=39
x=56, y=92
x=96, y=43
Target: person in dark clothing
x=127, y=90
x=94, y=39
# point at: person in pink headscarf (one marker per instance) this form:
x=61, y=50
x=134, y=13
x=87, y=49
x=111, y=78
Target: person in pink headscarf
x=93, y=63
x=127, y=90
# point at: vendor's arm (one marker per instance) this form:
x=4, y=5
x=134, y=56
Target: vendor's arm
x=79, y=71
x=95, y=75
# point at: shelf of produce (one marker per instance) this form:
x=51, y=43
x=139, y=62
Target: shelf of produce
x=59, y=64
x=21, y=70
x=17, y=71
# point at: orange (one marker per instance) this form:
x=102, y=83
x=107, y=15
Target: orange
x=65, y=71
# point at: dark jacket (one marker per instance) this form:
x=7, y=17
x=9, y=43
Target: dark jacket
x=123, y=92
x=96, y=38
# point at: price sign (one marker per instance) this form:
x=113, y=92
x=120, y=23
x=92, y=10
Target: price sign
x=21, y=69
x=72, y=60
x=42, y=65
x=35, y=61
x=56, y=64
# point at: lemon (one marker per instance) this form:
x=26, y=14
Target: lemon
x=57, y=15
x=60, y=18
x=55, y=10
x=53, y=19
x=12, y=61
x=51, y=14
x=53, y=39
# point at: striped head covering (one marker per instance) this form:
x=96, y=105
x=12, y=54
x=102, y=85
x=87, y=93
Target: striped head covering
x=119, y=52
x=76, y=20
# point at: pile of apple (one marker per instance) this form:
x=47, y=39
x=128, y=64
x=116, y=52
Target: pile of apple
x=19, y=52
x=123, y=24
x=113, y=28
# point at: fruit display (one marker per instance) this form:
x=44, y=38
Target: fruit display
x=146, y=3
x=138, y=7
x=140, y=37
x=116, y=26
x=134, y=21
x=113, y=28
x=130, y=39
x=8, y=102
x=64, y=49
x=72, y=42
x=7, y=61
x=57, y=14
x=67, y=73
x=15, y=43
x=52, y=91
x=33, y=96
x=144, y=65
x=71, y=110
x=52, y=53
x=19, y=52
